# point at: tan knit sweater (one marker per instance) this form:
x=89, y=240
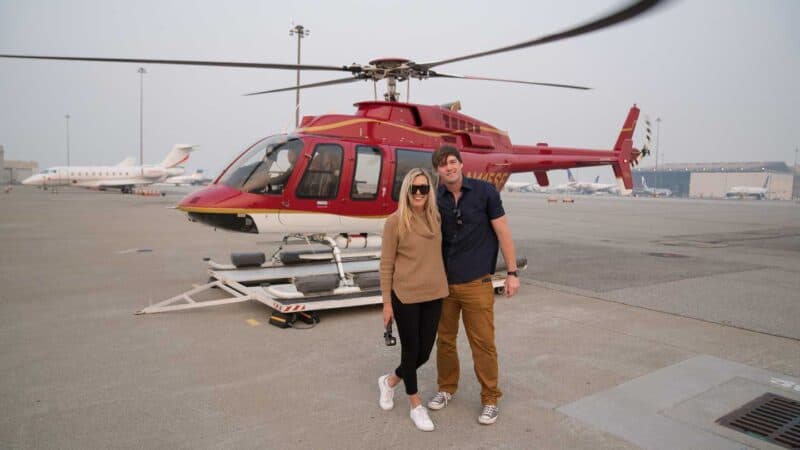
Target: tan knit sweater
x=412, y=265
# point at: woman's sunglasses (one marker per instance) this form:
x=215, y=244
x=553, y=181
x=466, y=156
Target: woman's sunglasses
x=420, y=189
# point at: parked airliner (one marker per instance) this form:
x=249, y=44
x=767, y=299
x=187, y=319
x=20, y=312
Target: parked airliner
x=195, y=179
x=521, y=186
x=759, y=193
x=585, y=187
x=651, y=191
x=123, y=176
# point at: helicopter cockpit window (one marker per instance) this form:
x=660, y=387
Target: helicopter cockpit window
x=321, y=179
x=366, y=177
x=266, y=167
x=407, y=160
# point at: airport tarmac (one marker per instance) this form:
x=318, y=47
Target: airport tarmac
x=639, y=323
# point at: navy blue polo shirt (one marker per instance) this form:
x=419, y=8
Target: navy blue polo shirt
x=469, y=243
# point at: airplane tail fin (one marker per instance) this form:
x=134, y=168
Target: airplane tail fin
x=127, y=162
x=570, y=177
x=178, y=155
x=766, y=182
x=644, y=183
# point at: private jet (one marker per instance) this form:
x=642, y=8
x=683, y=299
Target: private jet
x=124, y=176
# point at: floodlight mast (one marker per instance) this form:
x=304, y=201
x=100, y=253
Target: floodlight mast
x=301, y=32
x=141, y=115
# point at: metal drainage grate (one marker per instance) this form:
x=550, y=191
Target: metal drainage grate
x=771, y=418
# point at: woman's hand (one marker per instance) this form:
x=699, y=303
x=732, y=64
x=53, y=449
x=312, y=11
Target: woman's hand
x=388, y=314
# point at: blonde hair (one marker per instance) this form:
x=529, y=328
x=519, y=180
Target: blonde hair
x=404, y=211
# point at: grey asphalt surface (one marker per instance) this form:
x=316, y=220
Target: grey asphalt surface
x=614, y=291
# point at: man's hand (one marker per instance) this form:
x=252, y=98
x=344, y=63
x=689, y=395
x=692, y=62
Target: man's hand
x=512, y=285
x=503, y=232
x=388, y=314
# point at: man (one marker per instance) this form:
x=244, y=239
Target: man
x=473, y=223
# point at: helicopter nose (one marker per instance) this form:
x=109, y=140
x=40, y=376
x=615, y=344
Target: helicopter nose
x=219, y=206
x=215, y=196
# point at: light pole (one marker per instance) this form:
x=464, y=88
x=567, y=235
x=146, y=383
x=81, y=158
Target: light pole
x=301, y=32
x=658, y=147
x=67, y=118
x=794, y=173
x=141, y=115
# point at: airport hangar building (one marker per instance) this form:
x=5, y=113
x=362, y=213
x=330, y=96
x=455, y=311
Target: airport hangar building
x=13, y=172
x=712, y=180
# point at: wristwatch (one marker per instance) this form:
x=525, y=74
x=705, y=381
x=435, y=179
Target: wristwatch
x=513, y=272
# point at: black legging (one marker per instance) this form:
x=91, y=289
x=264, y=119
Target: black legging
x=416, y=325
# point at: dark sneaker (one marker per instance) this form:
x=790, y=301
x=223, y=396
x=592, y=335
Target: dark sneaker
x=488, y=415
x=439, y=400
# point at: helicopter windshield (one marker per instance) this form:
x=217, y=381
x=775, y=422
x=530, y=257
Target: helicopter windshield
x=265, y=168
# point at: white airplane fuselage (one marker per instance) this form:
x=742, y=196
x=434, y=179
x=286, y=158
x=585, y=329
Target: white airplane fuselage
x=747, y=191
x=101, y=176
x=756, y=192
x=195, y=179
x=122, y=176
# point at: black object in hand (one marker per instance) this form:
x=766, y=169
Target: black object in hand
x=387, y=335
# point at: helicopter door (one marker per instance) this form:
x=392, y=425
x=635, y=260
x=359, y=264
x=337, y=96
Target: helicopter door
x=314, y=208
x=405, y=160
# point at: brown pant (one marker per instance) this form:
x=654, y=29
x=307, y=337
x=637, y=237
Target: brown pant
x=475, y=300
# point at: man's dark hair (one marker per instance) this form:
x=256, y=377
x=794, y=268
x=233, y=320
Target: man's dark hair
x=440, y=156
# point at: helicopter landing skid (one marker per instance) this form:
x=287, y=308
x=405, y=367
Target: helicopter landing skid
x=293, y=291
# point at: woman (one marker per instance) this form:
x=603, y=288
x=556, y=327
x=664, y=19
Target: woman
x=413, y=283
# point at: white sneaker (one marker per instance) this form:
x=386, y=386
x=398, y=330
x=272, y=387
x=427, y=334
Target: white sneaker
x=488, y=415
x=387, y=393
x=440, y=400
x=419, y=416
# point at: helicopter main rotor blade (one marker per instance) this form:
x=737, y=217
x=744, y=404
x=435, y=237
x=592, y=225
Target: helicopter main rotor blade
x=614, y=18
x=310, y=85
x=433, y=74
x=188, y=63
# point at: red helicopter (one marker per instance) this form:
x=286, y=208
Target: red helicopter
x=342, y=173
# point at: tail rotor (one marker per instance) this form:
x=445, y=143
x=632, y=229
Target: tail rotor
x=645, y=151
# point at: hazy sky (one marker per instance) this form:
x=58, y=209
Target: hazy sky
x=722, y=74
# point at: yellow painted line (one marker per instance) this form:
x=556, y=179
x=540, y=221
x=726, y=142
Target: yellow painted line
x=253, y=322
x=199, y=209
x=345, y=123
x=227, y=210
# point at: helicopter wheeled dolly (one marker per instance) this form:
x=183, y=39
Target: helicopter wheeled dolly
x=294, y=284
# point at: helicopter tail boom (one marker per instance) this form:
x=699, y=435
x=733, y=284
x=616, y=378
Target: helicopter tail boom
x=620, y=158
